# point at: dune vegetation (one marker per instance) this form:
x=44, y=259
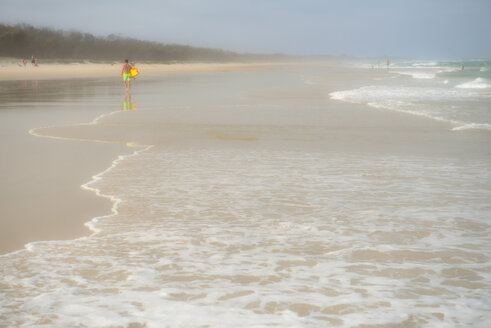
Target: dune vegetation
x=24, y=41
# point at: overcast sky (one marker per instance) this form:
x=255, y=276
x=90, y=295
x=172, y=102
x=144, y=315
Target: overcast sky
x=407, y=28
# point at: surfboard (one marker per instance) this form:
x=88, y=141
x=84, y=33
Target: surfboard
x=134, y=72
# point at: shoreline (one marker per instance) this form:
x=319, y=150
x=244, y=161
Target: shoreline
x=57, y=221
x=60, y=209
x=93, y=133
x=263, y=154
x=115, y=201
x=89, y=225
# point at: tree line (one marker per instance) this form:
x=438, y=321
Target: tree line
x=24, y=41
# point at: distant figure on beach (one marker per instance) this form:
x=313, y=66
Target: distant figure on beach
x=125, y=74
x=388, y=63
x=33, y=60
x=462, y=67
x=24, y=61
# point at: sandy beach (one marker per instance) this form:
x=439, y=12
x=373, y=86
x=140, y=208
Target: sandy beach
x=271, y=191
x=68, y=71
x=296, y=164
x=41, y=174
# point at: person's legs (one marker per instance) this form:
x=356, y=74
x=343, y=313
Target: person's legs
x=127, y=82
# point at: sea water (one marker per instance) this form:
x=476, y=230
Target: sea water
x=242, y=232
x=458, y=92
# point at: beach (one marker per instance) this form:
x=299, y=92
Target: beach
x=277, y=194
x=37, y=174
x=47, y=170
x=12, y=71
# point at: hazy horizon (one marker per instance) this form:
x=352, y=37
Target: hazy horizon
x=419, y=29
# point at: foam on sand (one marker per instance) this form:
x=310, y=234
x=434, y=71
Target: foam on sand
x=92, y=224
x=291, y=222
x=235, y=237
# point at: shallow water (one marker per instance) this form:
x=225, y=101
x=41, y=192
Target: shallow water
x=242, y=214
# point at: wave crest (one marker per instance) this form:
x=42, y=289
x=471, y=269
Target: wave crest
x=473, y=126
x=478, y=83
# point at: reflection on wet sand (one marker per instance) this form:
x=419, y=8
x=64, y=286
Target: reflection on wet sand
x=127, y=103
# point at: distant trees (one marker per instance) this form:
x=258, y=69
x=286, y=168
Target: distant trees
x=22, y=41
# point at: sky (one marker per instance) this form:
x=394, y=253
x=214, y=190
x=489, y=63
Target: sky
x=443, y=29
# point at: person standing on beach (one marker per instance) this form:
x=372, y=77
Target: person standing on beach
x=388, y=63
x=125, y=74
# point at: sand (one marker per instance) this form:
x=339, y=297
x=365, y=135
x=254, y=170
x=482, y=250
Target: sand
x=66, y=71
x=259, y=188
x=41, y=194
x=44, y=199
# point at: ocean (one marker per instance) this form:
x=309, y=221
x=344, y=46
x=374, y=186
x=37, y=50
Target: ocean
x=319, y=196
x=458, y=92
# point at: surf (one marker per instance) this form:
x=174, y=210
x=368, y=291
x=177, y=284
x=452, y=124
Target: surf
x=478, y=83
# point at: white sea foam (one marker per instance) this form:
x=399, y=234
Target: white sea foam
x=92, y=224
x=425, y=73
x=417, y=74
x=478, y=83
x=235, y=238
x=380, y=93
x=34, y=131
x=425, y=64
x=415, y=65
x=473, y=126
x=420, y=101
x=267, y=238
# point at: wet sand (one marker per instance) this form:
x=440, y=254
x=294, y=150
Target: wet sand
x=261, y=196
x=44, y=200
x=325, y=123
x=41, y=196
